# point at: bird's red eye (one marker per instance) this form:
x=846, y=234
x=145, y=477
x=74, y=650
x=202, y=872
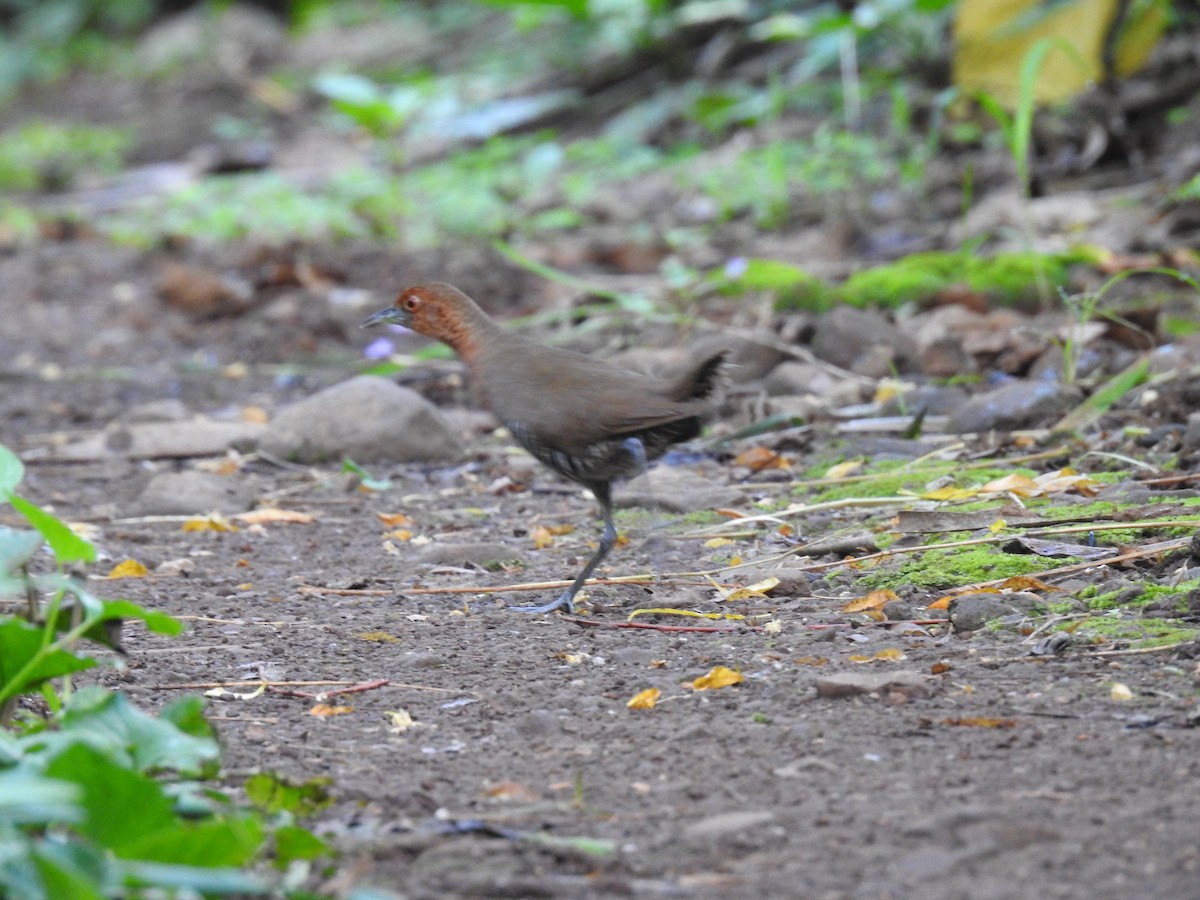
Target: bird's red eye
x=411, y=302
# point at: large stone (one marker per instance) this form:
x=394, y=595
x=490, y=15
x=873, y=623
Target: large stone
x=193, y=493
x=365, y=418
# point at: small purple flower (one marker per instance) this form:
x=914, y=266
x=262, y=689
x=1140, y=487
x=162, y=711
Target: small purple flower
x=736, y=267
x=380, y=348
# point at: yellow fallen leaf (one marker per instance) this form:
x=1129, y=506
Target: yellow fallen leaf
x=378, y=637
x=997, y=526
x=949, y=492
x=873, y=600
x=1120, y=692
x=399, y=534
x=1016, y=483
x=843, y=469
x=394, y=520
x=512, y=792
x=644, y=699
x=891, y=654
x=255, y=415
x=274, y=516
x=756, y=591
x=759, y=458
x=399, y=721
x=714, y=543
x=979, y=722
x=129, y=568
x=324, y=710
x=211, y=522
x=541, y=536
x=718, y=677
x=812, y=661
x=672, y=611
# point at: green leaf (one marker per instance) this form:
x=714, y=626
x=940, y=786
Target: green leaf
x=120, y=805
x=110, y=723
x=158, y=622
x=274, y=793
x=25, y=662
x=368, y=481
x=72, y=870
x=26, y=798
x=12, y=470
x=187, y=714
x=214, y=843
x=17, y=549
x=192, y=878
x=293, y=842
x=68, y=547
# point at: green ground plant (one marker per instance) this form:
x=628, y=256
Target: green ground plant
x=99, y=799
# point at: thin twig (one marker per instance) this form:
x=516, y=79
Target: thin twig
x=650, y=626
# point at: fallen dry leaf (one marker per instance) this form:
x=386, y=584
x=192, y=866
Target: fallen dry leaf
x=129, y=568
x=718, y=677
x=873, y=600
x=644, y=699
x=211, y=522
x=980, y=722
x=274, y=516
x=324, y=710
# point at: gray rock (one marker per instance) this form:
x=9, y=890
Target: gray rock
x=933, y=398
x=970, y=612
x=852, y=684
x=848, y=337
x=193, y=493
x=1019, y=404
x=1191, y=436
x=676, y=489
x=480, y=554
x=797, y=378
x=365, y=418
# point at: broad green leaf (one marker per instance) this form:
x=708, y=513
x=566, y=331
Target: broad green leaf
x=12, y=470
x=120, y=805
x=214, y=843
x=192, y=878
x=17, y=548
x=68, y=547
x=21, y=645
x=187, y=714
x=274, y=793
x=112, y=724
x=26, y=798
x=292, y=843
x=72, y=870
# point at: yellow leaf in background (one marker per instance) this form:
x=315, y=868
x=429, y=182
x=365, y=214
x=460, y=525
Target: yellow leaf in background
x=1026, y=583
x=714, y=543
x=812, y=661
x=558, y=530
x=1016, y=483
x=843, y=469
x=979, y=722
x=211, y=522
x=949, y=492
x=1067, y=480
x=541, y=537
x=873, y=600
x=395, y=520
x=756, y=591
x=255, y=415
x=729, y=513
x=512, y=792
x=993, y=37
x=671, y=611
x=400, y=534
x=718, y=677
x=644, y=699
x=378, y=637
x=891, y=654
x=324, y=710
x=274, y=516
x=735, y=561
x=399, y=721
x=129, y=568
x=997, y=526
x=758, y=458
x=887, y=389
x=941, y=602
x=1120, y=692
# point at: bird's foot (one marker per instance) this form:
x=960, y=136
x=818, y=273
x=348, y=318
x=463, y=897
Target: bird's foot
x=566, y=603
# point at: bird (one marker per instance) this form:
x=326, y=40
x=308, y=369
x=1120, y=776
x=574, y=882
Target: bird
x=588, y=420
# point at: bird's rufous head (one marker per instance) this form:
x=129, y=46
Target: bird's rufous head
x=436, y=310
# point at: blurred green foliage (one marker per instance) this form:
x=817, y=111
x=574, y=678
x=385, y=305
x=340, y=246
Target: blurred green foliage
x=52, y=156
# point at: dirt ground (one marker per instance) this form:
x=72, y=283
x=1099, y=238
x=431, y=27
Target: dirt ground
x=523, y=773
